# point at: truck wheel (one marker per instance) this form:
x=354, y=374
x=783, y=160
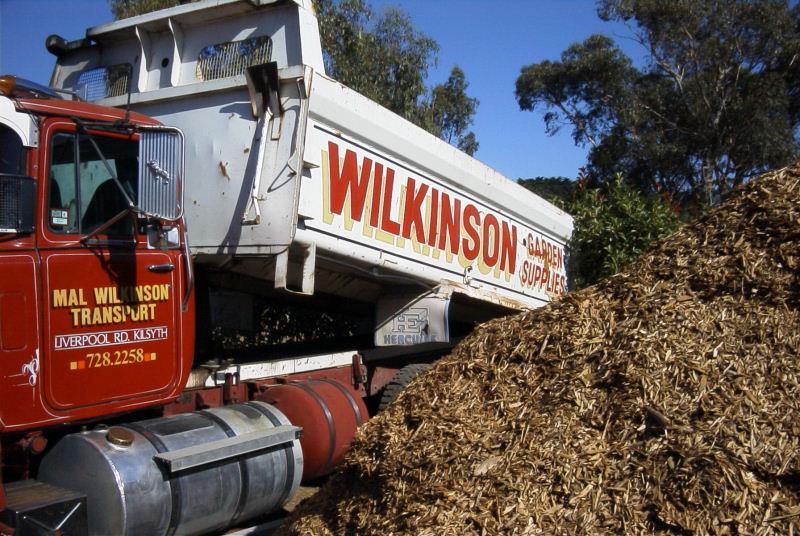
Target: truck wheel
x=399, y=381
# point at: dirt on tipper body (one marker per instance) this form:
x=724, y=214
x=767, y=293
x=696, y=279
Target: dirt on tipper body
x=663, y=400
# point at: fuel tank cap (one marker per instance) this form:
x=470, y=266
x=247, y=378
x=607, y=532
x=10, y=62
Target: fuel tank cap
x=119, y=436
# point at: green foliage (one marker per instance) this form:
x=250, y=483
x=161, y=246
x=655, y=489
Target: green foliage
x=383, y=57
x=614, y=224
x=122, y=9
x=584, y=89
x=557, y=190
x=448, y=114
x=717, y=101
x=468, y=143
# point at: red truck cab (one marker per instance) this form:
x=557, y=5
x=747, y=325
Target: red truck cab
x=96, y=316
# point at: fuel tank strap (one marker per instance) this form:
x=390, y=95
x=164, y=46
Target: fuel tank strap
x=346, y=393
x=288, y=451
x=328, y=417
x=174, y=483
x=245, y=474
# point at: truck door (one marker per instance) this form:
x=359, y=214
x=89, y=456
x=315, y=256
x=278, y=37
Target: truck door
x=111, y=303
x=19, y=326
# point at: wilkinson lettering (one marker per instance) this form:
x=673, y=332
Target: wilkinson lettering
x=435, y=222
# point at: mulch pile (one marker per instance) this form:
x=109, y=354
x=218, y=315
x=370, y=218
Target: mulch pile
x=664, y=400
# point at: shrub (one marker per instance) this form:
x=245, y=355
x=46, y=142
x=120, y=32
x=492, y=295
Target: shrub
x=614, y=224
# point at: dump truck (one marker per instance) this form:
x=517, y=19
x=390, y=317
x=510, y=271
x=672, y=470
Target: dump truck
x=214, y=262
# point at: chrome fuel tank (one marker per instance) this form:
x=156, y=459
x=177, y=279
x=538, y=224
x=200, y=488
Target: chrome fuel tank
x=184, y=474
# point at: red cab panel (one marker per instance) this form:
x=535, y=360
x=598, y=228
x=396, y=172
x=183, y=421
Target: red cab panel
x=91, y=316
x=19, y=338
x=110, y=326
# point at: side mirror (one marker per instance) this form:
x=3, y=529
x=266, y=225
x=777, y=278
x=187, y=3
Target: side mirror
x=17, y=204
x=161, y=165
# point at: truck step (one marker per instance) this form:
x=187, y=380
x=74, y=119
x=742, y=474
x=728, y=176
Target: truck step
x=36, y=508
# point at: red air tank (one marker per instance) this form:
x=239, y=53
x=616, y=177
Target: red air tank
x=329, y=413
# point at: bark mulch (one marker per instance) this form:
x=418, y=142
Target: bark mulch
x=663, y=400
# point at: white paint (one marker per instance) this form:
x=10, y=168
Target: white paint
x=284, y=367
x=31, y=369
x=21, y=123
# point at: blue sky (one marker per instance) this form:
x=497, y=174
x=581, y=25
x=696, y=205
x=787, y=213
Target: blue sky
x=489, y=39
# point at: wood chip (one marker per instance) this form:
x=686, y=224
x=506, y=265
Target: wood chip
x=663, y=400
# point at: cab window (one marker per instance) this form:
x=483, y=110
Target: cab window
x=17, y=191
x=82, y=193
x=12, y=153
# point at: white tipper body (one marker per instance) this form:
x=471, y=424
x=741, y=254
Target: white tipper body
x=320, y=188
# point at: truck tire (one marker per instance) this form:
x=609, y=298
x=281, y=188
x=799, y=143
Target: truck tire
x=399, y=381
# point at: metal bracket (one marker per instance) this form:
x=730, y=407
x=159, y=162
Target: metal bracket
x=225, y=449
x=296, y=161
x=410, y=319
x=263, y=86
x=306, y=254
